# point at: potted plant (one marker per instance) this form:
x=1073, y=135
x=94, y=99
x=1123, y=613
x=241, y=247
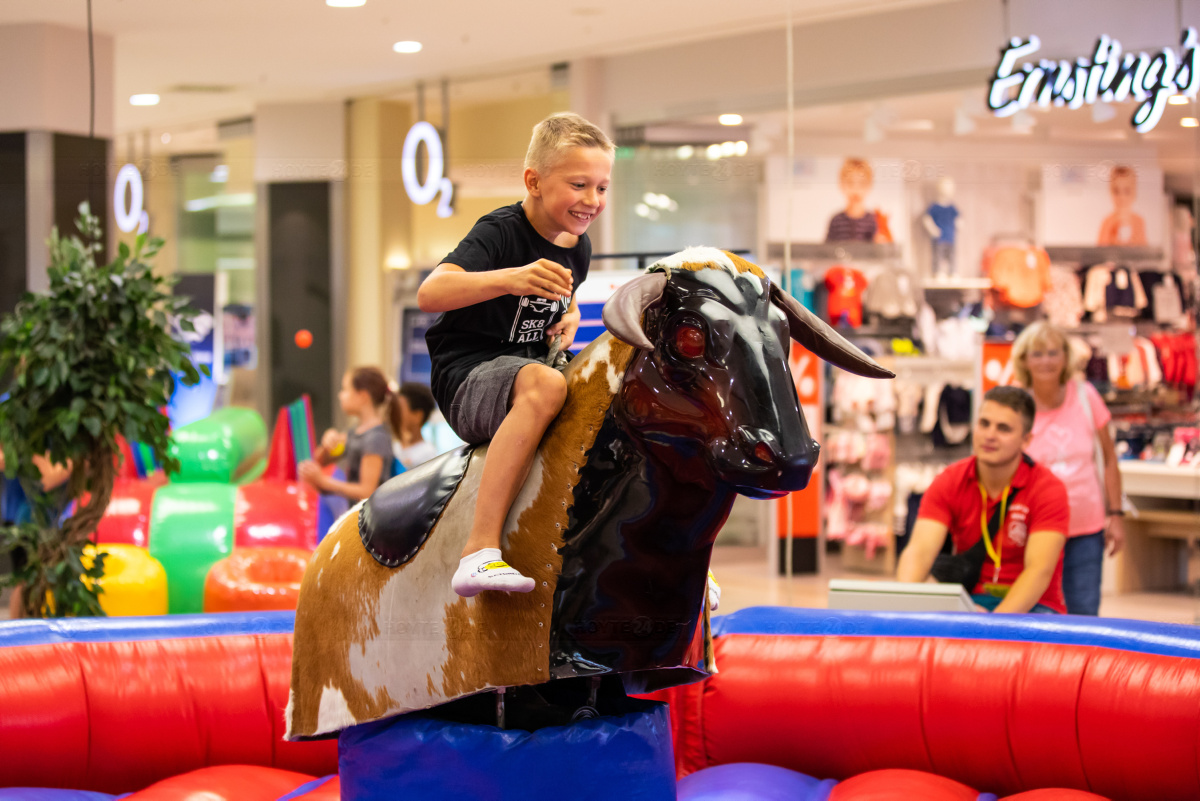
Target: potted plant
x=95, y=357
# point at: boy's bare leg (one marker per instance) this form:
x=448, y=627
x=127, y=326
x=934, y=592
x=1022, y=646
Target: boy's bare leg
x=538, y=395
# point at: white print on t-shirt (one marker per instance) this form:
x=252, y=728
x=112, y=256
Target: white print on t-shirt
x=533, y=314
x=1018, y=531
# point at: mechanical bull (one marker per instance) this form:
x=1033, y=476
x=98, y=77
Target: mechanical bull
x=687, y=401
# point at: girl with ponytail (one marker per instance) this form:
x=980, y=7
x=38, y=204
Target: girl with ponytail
x=365, y=450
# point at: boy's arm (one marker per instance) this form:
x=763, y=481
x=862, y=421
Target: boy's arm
x=451, y=287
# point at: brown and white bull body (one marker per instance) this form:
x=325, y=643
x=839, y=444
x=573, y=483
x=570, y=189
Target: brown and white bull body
x=615, y=523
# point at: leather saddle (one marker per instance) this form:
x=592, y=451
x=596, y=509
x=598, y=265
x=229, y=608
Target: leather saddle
x=396, y=520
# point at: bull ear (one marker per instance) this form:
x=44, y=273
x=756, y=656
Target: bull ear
x=813, y=333
x=623, y=311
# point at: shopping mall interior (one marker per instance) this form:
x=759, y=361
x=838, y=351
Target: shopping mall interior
x=924, y=180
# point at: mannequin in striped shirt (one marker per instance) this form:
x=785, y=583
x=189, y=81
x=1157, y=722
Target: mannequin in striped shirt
x=855, y=223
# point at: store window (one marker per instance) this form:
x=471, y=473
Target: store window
x=668, y=197
x=216, y=264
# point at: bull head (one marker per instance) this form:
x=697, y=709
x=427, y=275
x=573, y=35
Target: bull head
x=715, y=377
x=624, y=310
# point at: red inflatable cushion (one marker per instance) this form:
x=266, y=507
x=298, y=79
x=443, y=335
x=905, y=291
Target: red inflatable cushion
x=116, y=717
x=1055, y=794
x=1118, y=723
x=901, y=785
x=225, y=783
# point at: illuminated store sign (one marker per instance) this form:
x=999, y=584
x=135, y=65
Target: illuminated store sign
x=134, y=215
x=1108, y=76
x=421, y=192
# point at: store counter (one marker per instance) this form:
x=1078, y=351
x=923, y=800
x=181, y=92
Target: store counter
x=1159, y=535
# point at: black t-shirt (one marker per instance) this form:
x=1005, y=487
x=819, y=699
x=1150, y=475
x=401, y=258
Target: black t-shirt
x=509, y=325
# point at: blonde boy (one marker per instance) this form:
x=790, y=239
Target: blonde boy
x=505, y=292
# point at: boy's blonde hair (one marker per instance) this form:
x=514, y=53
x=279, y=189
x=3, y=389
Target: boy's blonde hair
x=559, y=133
x=853, y=165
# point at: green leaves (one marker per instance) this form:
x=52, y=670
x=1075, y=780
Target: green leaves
x=95, y=356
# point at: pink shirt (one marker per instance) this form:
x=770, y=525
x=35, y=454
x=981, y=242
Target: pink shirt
x=1064, y=442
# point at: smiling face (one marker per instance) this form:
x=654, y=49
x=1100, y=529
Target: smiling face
x=1047, y=362
x=570, y=194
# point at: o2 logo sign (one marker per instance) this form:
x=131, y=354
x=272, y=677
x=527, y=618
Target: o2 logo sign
x=131, y=216
x=422, y=192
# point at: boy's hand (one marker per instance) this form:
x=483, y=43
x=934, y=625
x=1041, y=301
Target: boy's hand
x=567, y=325
x=543, y=278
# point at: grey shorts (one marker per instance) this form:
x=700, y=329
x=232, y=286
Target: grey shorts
x=481, y=402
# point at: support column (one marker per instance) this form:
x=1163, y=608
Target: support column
x=379, y=231
x=47, y=162
x=299, y=169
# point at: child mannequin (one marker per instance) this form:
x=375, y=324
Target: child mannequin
x=941, y=222
x=855, y=223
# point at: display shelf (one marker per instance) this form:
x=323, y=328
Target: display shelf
x=956, y=284
x=1093, y=254
x=1157, y=480
x=837, y=251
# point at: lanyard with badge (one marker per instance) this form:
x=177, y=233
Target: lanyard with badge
x=995, y=551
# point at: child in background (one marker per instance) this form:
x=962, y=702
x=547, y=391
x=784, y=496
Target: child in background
x=1124, y=226
x=855, y=223
x=416, y=404
x=505, y=292
x=366, y=450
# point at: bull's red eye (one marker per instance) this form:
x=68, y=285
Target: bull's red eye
x=689, y=341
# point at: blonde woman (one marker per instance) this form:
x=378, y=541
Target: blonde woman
x=1071, y=437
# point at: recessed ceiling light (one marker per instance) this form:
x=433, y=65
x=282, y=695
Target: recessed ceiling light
x=407, y=47
x=143, y=100
x=166, y=139
x=1190, y=122
x=345, y=3
x=1178, y=100
x=730, y=119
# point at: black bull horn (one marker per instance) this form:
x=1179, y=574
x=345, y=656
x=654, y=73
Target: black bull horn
x=623, y=318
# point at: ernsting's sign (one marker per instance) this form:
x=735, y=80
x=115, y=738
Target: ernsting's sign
x=1109, y=76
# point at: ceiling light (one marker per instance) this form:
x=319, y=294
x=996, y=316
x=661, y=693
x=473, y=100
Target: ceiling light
x=729, y=119
x=741, y=147
x=712, y=152
x=1190, y=122
x=143, y=100
x=1178, y=100
x=407, y=47
x=684, y=152
x=345, y=3
x=166, y=139
x=913, y=125
x=728, y=148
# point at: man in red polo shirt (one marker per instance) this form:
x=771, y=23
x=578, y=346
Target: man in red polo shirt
x=1002, y=510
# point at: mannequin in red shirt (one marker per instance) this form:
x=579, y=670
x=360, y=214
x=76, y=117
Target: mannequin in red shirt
x=1022, y=567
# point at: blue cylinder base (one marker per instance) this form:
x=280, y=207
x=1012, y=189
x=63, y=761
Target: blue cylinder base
x=625, y=756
